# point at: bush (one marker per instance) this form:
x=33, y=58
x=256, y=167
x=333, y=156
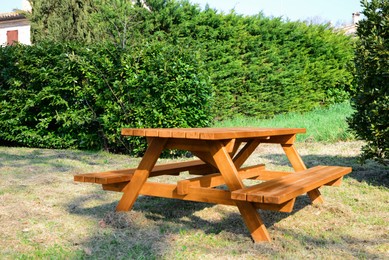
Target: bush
x=57, y=95
x=370, y=98
x=259, y=66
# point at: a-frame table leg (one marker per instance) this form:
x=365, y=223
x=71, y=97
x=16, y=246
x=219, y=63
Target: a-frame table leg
x=249, y=213
x=298, y=165
x=132, y=189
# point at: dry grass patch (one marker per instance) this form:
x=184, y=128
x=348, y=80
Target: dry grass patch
x=44, y=214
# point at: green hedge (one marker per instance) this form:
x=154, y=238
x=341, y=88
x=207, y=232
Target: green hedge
x=179, y=67
x=67, y=96
x=259, y=66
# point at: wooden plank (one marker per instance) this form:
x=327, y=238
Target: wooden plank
x=269, y=175
x=245, y=152
x=308, y=182
x=123, y=175
x=249, y=213
x=176, y=168
x=294, y=157
x=216, y=179
x=206, y=157
x=283, y=182
x=298, y=165
x=283, y=207
x=268, y=185
x=131, y=190
x=253, y=221
x=211, y=133
x=335, y=183
x=197, y=194
x=282, y=139
x=105, y=177
x=119, y=186
x=203, y=170
x=187, y=145
x=278, y=191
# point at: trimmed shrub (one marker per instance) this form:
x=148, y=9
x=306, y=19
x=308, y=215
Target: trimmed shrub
x=259, y=66
x=67, y=96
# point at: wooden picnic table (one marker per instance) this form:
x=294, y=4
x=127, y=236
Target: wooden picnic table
x=222, y=153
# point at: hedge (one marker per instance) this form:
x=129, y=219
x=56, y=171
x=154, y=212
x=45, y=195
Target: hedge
x=57, y=95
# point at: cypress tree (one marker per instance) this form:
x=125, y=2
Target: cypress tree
x=61, y=20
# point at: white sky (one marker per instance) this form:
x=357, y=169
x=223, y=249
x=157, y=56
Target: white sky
x=335, y=11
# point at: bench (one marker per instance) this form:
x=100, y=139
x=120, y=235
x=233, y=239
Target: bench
x=286, y=188
x=125, y=175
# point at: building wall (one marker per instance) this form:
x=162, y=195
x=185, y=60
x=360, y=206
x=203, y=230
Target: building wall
x=23, y=27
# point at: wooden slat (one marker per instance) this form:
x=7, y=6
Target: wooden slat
x=211, y=133
x=195, y=194
x=187, y=145
x=106, y=177
x=282, y=189
x=298, y=165
x=269, y=175
x=335, y=183
x=247, y=210
x=116, y=176
x=146, y=165
x=309, y=182
x=282, y=207
x=242, y=193
x=245, y=152
x=216, y=179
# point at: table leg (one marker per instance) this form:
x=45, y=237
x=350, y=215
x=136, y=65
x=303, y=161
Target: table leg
x=298, y=165
x=228, y=170
x=131, y=190
x=245, y=152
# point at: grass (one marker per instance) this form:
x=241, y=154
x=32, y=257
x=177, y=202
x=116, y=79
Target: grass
x=44, y=214
x=322, y=124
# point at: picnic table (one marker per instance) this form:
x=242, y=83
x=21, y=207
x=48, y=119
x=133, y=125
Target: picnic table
x=222, y=153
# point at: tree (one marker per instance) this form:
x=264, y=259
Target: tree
x=370, y=98
x=61, y=20
x=118, y=21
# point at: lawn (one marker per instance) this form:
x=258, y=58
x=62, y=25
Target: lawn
x=44, y=214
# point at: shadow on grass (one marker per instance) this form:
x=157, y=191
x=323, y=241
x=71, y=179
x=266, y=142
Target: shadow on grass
x=39, y=157
x=154, y=223
x=371, y=172
x=349, y=246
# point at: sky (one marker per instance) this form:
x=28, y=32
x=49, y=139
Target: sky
x=9, y=5
x=334, y=11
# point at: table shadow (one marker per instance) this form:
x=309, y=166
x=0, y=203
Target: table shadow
x=161, y=219
x=371, y=172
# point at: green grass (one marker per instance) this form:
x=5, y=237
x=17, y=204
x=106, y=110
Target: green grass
x=44, y=214
x=322, y=124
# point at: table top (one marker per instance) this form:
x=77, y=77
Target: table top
x=211, y=133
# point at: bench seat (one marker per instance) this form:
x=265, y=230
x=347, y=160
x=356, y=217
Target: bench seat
x=286, y=188
x=125, y=175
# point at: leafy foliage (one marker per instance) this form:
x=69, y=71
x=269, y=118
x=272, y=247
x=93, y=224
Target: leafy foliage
x=61, y=20
x=160, y=63
x=259, y=66
x=69, y=96
x=370, y=97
